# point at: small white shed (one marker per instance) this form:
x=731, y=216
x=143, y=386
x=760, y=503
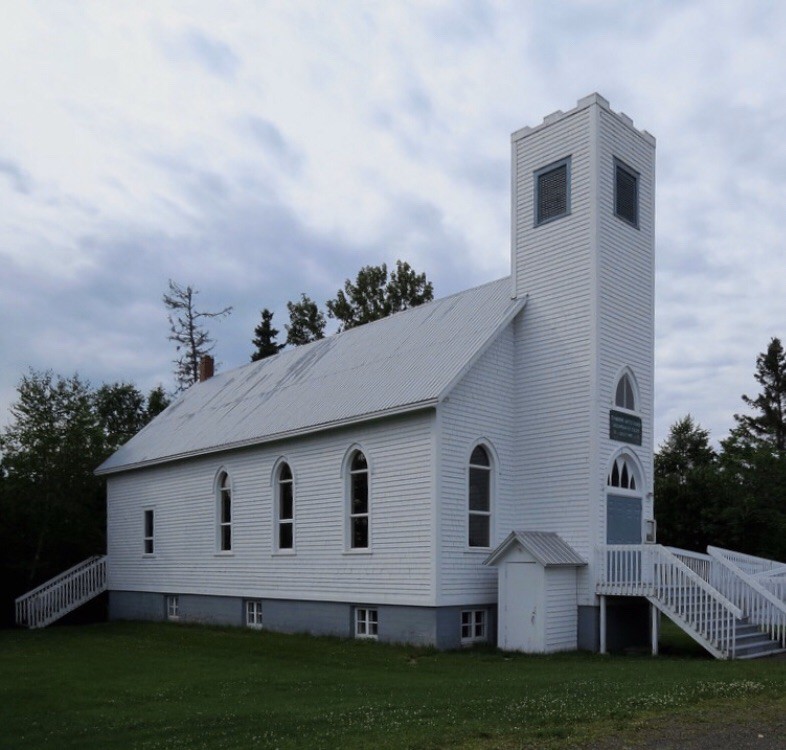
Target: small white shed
x=538, y=606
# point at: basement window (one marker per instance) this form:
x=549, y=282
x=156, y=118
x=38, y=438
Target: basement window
x=473, y=626
x=254, y=613
x=552, y=192
x=366, y=622
x=626, y=193
x=172, y=607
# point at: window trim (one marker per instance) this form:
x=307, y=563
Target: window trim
x=221, y=524
x=477, y=618
x=172, y=604
x=254, y=614
x=566, y=162
x=491, y=468
x=627, y=372
x=149, y=538
x=349, y=458
x=621, y=165
x=628, y=460
x=278, y=522
x=366, y=619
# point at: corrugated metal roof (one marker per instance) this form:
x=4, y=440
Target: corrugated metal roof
x=404, y=362
x=548, y=548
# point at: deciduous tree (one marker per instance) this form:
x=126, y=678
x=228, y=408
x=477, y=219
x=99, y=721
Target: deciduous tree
x=374, y=295
x=306, y=322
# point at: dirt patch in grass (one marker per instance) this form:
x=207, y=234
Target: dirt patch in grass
x=729, y=726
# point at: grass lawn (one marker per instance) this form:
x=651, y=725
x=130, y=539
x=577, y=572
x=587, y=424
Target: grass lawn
x=167, y=686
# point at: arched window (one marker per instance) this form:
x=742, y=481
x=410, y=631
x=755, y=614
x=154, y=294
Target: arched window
x=623, y=474
x=479, y=527
x=224, y=513
x=285, y=508
x=624, y=396
x=358, y=502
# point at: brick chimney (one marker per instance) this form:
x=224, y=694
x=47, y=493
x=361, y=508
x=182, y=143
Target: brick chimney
x=206, y=368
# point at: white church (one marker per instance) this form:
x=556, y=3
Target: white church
x=475, y=469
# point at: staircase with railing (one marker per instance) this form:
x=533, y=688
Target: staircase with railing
x=62, y=594
x=727, y=602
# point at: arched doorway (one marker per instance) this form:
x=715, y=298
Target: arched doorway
x=624, y=501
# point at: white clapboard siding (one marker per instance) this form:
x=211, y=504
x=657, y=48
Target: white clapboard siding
x=562, y=619
x=627, y=279
x=396, y=571
x=552, y=264
x=478, y=408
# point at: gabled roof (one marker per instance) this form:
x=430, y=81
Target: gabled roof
x=548, y=548
x=405, y=362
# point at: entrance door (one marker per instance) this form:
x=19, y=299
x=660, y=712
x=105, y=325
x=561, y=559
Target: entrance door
x=623, y=519
x=523, y=622
x=623, y=526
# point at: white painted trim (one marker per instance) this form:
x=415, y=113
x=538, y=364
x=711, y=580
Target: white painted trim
x=223, y=470
x=596, y=485
x=274, y=485
x=514, y=196
x=486, y=444
x=436, y=507
x=626, y=370
x=346, y=480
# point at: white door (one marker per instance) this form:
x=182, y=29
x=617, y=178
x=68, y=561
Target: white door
x=522, y=622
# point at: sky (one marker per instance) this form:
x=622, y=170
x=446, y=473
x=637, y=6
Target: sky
x=258, y=150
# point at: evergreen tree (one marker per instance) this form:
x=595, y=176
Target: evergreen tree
x=187, y=330
x=157, y=401
x=374, y=295
x=306, y=322
x=767, y=426
x=689, y=494
x=265, y=338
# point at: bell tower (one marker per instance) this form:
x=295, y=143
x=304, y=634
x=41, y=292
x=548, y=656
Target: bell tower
x=582, y=251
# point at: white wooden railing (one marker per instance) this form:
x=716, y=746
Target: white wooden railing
x=771, y=574
x=674, y=586
x=62, y=594
x=763, y=608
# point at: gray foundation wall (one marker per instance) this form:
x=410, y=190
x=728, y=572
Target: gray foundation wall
x=420, y=626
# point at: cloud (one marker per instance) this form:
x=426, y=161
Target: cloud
x=211, y=54
x=17, y=178
x=277, y=148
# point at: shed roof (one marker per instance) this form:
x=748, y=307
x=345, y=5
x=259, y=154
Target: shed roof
x=548, y=548
x=405, y=362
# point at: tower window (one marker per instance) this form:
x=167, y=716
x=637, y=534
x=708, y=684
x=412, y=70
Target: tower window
x=625, y=397
x=552, y=191
x=626, y=193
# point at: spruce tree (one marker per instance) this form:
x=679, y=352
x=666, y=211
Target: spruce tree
x=767, y=426
x=265, y=338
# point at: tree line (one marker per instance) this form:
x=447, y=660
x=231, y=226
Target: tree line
x=374, y=294
x=52, y=506
x=733, y=496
